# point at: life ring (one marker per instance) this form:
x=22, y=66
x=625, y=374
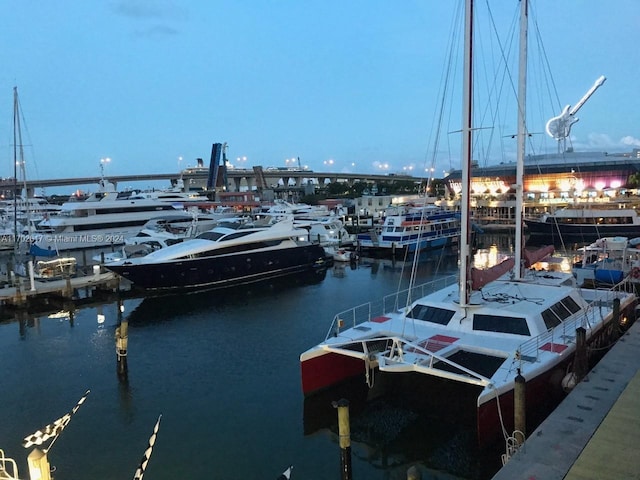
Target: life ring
x=635, y=272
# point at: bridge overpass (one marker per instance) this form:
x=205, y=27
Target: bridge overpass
x=195, y=179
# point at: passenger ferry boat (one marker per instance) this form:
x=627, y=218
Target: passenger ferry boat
x=411, y=228
x=585, y=224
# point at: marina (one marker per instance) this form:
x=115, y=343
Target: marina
x=184, y=361
x=253, y=320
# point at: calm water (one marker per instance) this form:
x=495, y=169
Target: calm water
x=222, y=367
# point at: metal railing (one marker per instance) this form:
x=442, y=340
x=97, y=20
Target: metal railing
x=599, y=307
x=390, y=303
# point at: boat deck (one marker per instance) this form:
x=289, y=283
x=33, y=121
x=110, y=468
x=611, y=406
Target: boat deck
x=595, y=432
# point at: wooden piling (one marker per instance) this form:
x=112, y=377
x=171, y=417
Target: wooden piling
x=519, y=409
x=345, y=438
x=39, y=465
x=68, y=291
x=580, y=362
x=414, y=473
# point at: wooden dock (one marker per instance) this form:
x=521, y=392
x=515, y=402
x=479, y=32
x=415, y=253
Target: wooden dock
x=595, y=432
x=22, y=293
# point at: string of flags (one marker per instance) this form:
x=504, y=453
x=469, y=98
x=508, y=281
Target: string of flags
x=53, y=429
x=147, y=453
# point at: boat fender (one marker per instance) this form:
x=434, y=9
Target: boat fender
x=569, y=381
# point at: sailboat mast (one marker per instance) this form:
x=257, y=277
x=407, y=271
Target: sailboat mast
x=16, y=130
x=465, y=202
x=522, y=136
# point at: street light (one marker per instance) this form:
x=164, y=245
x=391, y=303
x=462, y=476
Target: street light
x=103, y=161
x=328, y=162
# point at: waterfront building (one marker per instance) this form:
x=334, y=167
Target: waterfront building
x=550, y=181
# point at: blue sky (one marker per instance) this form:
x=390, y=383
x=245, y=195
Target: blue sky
x=145, y=82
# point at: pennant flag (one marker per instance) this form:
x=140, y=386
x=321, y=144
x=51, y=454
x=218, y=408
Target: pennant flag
x=286, y=475
x=53, y=429
x=147, y=453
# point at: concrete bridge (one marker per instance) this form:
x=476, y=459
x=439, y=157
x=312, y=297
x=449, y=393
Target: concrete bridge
x=195, y=179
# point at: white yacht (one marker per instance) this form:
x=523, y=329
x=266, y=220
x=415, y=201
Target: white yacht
x=163, y=231
x=327, y=231
x=229, y=254
x=103, y=219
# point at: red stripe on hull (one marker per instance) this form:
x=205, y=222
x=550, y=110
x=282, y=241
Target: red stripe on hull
x=328, y=370
x=542, y=395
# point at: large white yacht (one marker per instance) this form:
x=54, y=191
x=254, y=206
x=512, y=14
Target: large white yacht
x=105, y=218
x=229, y=254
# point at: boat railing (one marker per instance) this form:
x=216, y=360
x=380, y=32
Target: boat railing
x=8, y=467
x=391, y=303
x=600, y=304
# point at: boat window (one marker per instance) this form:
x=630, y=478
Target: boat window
x=233, y=236
x=244, y=247
x=561, y=311
x=214, y=236
x=551, y=320
x=495, y=323
x=431, y=314
x=571, y=304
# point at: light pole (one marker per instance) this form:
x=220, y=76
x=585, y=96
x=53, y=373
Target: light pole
x=103, y=161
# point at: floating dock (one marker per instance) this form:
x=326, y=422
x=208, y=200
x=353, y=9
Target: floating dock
x=595, y=432
x=24, y=292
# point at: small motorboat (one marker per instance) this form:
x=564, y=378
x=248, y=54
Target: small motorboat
x=340, y=254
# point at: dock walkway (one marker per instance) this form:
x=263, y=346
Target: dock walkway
x=595, y=432
x=16, y=295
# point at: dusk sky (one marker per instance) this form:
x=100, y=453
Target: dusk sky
x=147, y=82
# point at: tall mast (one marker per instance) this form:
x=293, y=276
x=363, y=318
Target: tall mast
x=467, y=104
x=522, y=134
x=17, y=143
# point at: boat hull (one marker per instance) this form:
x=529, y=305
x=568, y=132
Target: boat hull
x=223, y=270
x=556, y=232
x=322, y=371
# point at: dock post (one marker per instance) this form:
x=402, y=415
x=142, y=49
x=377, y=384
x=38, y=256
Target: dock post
x=615, y=321
x=519, y=409
x=31, y=276
x=39, y=465
x=68, y=291
x=413, y=473
x=19, y=299
x=580, y=362
x=122, y=339
x=345, y=438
